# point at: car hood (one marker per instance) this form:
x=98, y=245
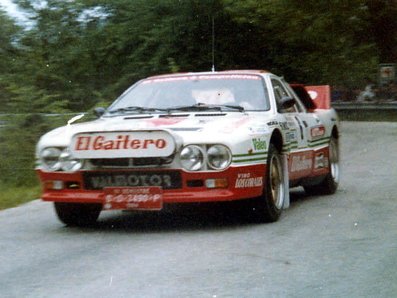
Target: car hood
x=189, y=127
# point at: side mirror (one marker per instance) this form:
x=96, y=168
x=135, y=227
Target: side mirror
x=98, y=112
x=286, y=102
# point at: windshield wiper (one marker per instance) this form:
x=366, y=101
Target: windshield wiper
x=233, y=107
x=196, y=107
x=203, y=106
x=136, y=109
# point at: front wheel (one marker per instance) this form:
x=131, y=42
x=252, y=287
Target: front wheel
x=75, y=214
x=268, y=207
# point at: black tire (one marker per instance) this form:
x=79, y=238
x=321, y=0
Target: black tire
x=75, y=214
x=330, y=183
x=269, y=206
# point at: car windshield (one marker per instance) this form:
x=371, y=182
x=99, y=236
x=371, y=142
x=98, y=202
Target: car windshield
x=234, y=92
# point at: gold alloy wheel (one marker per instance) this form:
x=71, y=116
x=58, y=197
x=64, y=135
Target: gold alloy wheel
x=276, y=181
x=334, y=159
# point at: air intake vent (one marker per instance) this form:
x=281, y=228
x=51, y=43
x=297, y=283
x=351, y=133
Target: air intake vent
x=138, y=117
x=210, y=115
x=174, y=116
x=119, y=163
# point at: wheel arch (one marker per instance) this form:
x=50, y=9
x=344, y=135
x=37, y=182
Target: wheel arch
x=277, y=140
x=335, y=132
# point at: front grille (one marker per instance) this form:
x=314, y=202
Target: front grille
x=94, y=180
x=130, y=162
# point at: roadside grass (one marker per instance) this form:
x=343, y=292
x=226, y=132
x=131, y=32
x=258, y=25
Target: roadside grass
x=12, y=196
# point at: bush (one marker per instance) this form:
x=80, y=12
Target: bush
x=18, y=137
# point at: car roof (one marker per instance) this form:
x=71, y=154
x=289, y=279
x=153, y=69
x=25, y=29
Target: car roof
x=244, y=71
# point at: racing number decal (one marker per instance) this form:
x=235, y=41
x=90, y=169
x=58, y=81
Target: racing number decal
x=300, y=126
x=296, y=127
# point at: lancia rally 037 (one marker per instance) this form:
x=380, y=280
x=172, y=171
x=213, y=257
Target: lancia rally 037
x=194, y=137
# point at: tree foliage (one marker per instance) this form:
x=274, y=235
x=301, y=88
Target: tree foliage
x=312, y=41
x=84, y=52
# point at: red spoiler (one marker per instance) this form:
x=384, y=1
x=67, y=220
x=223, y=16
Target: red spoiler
x=321, y=95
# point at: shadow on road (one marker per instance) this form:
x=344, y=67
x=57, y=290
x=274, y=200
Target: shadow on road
x=185, y=217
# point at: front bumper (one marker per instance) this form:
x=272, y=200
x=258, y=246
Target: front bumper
x=235, y=183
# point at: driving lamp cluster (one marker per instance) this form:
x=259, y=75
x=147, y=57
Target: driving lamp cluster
x=55, y=159
x=195, y=158
x=192, y=158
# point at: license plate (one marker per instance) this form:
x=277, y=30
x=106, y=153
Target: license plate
x=133, y=198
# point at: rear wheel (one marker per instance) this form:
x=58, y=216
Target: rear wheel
x=330, y=184
x=268, y=207
x=75, y=214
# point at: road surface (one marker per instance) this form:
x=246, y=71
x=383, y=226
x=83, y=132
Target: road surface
x=344, y=245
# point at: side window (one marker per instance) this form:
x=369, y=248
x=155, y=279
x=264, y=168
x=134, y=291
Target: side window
x=279, y=93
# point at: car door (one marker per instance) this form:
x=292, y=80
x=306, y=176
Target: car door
x=314, y=127
x=300, y=161
x=297, y=134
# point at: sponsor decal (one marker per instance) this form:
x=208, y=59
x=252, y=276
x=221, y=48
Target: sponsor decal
x=320, y=161
x=290, y=136
x=317, y=132
x=122, y=144
x=101, y=142
x=301, y=163
x=163, y=179
x=284, y=125
x=259, y=144
x=272, y=123
x=131, y=180
x=244, y=180
x=259, y=129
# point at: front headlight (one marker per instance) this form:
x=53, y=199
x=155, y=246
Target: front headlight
x=49, y=158
x=68, y=163
x=192, y=158
x=219, y=157
x=54, y=159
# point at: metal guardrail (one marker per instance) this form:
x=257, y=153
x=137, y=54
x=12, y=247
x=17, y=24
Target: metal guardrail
x=380, y=105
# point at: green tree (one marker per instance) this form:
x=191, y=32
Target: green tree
x=9, y=54
x=382, y=28
x=312, y=41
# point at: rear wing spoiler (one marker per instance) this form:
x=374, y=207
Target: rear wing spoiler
x=321, y=95
x=314, y=97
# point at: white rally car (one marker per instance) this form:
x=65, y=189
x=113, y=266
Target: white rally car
x=194, y=137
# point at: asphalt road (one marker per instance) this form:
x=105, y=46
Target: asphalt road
x=344, y=245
